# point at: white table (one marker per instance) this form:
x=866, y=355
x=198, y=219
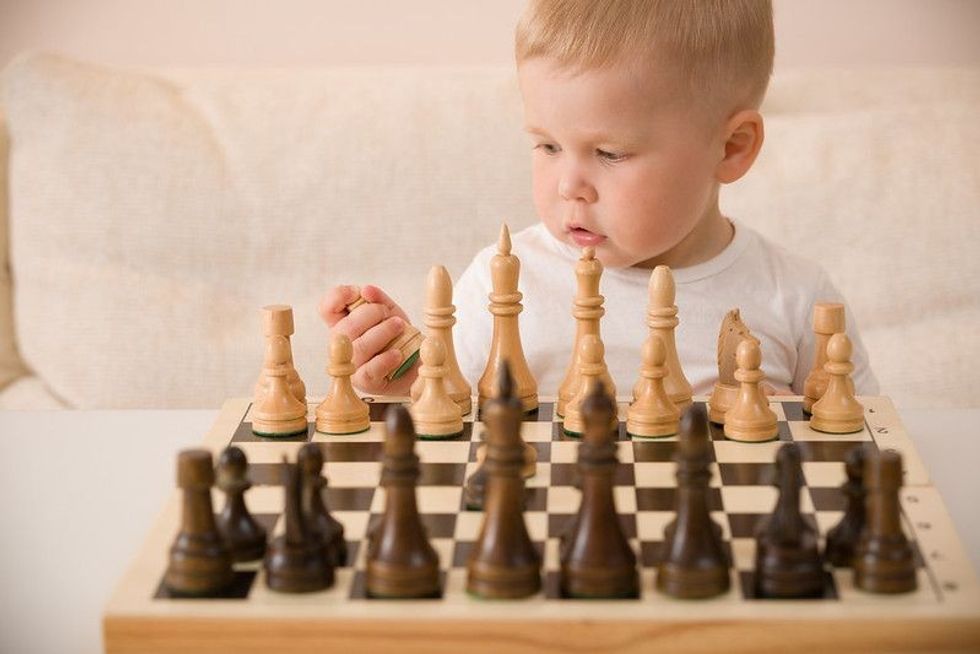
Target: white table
x=81, y=488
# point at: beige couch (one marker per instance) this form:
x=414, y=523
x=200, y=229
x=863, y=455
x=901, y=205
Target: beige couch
x=152, y=213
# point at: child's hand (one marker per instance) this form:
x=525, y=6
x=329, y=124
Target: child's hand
x=370, y=327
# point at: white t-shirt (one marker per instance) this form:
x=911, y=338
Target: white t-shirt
x=773, y=289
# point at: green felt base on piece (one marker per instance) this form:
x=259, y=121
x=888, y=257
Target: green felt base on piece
x=439, y=437
x=406, y=364
x=649, y=438
x=344, y=433
x=281, y=435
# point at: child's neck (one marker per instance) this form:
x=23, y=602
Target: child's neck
x=709, y=237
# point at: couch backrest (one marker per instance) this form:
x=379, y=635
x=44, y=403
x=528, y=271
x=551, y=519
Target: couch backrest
x=154, y=212
x=11, y=366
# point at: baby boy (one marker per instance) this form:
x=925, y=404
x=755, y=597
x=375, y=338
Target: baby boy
x=638, y=111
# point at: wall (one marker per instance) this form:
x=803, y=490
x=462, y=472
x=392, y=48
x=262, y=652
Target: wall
x=317, y=32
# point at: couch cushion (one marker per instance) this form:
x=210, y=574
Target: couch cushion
x=877, y=176
x=154, y=213
x=11, y=366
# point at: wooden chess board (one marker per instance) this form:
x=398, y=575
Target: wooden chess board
x=944, y=613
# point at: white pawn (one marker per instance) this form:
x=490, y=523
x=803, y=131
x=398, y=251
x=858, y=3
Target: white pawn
x=342, y=411
x=652, y=414
x=435, y=414
x=591, y=367
x=750, y=419
x=838, y=411
x=276, y=411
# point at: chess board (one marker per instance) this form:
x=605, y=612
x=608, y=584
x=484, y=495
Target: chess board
x=943, y=613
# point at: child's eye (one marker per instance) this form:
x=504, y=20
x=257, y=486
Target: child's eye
x=610, y=156
x=548, y=148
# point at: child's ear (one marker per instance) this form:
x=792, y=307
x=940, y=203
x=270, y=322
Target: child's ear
x=743, y=135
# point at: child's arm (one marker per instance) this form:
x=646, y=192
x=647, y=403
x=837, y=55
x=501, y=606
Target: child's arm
x=370, y=327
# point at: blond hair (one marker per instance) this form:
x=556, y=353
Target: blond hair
x=722, y=49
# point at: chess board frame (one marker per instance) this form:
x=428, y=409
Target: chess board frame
x=942, y=615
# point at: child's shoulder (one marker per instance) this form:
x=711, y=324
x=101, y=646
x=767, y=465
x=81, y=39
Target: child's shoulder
x=769, y=264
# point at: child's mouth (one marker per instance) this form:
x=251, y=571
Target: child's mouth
x=584, y=237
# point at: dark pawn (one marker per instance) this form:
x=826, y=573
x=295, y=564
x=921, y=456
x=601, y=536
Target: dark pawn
x=883, y=560
x=843, y=538
x=402, y=562
x=597, y=560
x=787, y=561
x=694, y=564
x=200, y=562
x=245, y=537
x=294, y=562
x=320, y=523
x=504, y=563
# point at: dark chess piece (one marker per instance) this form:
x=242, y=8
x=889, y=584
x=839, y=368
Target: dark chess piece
x=843, y=538
x=787, y=560
x=883, y=559
x=295, y=561
x=475, y=489
x=597, y=560
x=320, y=523
x=504, y=563
x=200, y=561
x=694, y=564
x=245, y=537
x=402, y=562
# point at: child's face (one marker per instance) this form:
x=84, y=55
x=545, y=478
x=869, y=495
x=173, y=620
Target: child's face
x=618, y=162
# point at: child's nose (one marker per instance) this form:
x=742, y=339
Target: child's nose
x=574, y=185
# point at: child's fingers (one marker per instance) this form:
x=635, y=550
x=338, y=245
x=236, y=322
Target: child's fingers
x=362, y=319
x=374, y=339
x=372, y=293
x=333, y=304
x=371, y=376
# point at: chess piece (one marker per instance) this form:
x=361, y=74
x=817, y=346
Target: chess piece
x=843, y=538
x=587, y=311
x=597, y=560
x=662, y=320
x=787, y=560
x=436, y=415
x=200, y=562
x=652, y=414
x=694, y=563
x=439, y=320
x=319, y=522
x=828, y=319
x=838, y=411
x=883, y=559
x=504, y=563
x=732, y=332
x=276, y=412
x=245, y=537
x=342, y=411
x=505, y=344
x=473, y=490
x=295, y=561
x=402, y=562
x=408, y=342
x=750, y=419
x=277, y=320
x=591, y=355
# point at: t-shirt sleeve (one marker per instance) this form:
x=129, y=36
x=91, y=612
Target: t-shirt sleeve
x=865, y=382
x=474, y=327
